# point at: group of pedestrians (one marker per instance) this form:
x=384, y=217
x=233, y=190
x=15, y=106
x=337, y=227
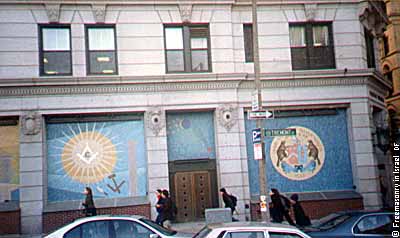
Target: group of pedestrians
x=166, y=208
x=281, y=206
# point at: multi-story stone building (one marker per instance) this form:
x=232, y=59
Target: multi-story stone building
x=130, y=96
x=391, y=61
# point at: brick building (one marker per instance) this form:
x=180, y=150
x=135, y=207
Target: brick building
x=130, y=96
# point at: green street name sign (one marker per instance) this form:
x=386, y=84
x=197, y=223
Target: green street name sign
x=279, y=132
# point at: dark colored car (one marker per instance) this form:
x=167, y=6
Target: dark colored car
x=353, y=224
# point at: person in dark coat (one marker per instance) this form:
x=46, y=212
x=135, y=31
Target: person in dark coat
x=228, y=201
x=159, y=206
x=89, y=208
x=301, y=218
x=280, y=207
x=167, y=210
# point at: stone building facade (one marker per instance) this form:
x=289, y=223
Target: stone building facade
x=128, y=97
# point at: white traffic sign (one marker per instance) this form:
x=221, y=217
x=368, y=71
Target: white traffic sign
x=257, y=148
x=254, y=102
x=260, y=115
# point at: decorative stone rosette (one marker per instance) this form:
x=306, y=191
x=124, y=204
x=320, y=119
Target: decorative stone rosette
x=227, y=116
x=31, y=123
x=155, y=120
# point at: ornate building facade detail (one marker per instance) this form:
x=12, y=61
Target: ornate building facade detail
x=186, y=12
x=227, y=116
x=99, y=12
x=31, y=123
x=155, y=120
x=311, y=11
x=53, y=12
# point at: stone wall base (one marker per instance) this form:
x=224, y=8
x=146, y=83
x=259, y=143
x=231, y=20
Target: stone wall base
x=10, y=222
x=316, y=209
x=55, y=220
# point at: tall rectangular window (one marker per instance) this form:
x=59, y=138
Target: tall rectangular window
x=248, y=42
x=187, y=48
x=370, y=48
x=101, y=49
x=55, y=50
x=311, y=45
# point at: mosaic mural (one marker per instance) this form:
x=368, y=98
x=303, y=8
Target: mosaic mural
x=109, y=157
x=190, y=136
x=298, y=157
x=9, y=163
x=316, y=159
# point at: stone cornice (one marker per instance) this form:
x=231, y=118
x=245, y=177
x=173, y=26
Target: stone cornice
x=169, y=2
x=190, y=82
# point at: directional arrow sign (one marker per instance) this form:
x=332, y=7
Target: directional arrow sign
x=280, y=132
x=260, y=115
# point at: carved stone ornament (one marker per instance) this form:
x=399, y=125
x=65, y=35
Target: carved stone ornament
x=186, y=12
x=155, y=120
x=31, y=123
x=53, y=12
x=227, y=116
x=99, y=12
x=311, y=11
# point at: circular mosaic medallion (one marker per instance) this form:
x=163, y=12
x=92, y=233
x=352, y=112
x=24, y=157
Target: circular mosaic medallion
x=298, y=157
x=89, y=157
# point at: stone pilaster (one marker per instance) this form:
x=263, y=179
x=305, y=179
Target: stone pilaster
x=31, y=173
x=157, y=155
x=232, y=165
x=366, y=176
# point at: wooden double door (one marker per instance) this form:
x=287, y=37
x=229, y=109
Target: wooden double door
x=193, y=188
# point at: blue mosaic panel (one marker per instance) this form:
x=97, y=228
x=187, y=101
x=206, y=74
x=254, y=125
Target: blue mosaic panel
x=335, y=173
x=190, y=136
x=109, y=157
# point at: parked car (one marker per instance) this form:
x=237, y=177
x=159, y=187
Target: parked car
x=353, y=224
x=115, y=227
x=250, y=230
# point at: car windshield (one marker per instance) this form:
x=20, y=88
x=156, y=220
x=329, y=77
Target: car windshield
x=202, y=233
x=331, y=221
x=157, y=227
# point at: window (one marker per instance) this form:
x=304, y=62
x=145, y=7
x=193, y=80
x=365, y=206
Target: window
x=97, y=229
x=74, y=233
x=311, y=46
x=247, y=234
x=375, y=224
x=101, y=49
x=55, y=50
x=385, y=45
x=187, y=48
x=283, y=235
x=130, y=229
x=369, y=44
x=248, y=42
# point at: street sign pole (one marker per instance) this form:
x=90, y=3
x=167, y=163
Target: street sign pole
x=259, y=122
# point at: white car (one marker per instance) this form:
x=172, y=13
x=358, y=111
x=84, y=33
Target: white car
x=109, y=226
x=250, y=230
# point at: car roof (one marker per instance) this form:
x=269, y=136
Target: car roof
x=233, y=225
x=108, y=217
x=362, y=212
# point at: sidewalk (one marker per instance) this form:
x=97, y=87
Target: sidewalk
x=189, y=227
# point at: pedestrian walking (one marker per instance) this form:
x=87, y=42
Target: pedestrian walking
x=230, y=201
x=167, y=210
x=280, y=207
x=159, y=206
x=300, y=216
x=89, y=208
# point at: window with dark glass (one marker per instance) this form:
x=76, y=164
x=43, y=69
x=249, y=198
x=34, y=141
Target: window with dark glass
x=187, y=48
x=101, y=49
x=311, y=46
x=385, y=44
x=369, y=43
x=55, y=50
x=375, y=224
x=248, y=42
